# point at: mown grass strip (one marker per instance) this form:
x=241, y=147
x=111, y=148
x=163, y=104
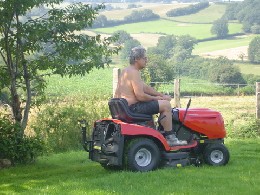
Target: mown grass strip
x=73, y=173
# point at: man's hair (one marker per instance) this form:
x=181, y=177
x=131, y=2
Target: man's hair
x=136, y=53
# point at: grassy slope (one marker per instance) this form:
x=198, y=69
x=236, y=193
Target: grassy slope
x=198, y=31
x=73, y=173
x=159, y=9
x=209, y=46
x=208, y=15
x=249, y=69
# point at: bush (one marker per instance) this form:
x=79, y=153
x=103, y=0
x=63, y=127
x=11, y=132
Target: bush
x=247, y=90
x=249, y=130
x=57, y=124
x=222, y=70
x=17, y=148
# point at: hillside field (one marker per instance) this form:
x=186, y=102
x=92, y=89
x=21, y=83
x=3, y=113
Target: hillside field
x=162, y=26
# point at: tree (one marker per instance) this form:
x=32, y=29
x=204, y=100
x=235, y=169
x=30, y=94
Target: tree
x=220, y=28
x=164, y=46
x=128, y=45
x=222, y=70
x=123, y=37
x=159, y=69
x=47, y=43
x=254, y=50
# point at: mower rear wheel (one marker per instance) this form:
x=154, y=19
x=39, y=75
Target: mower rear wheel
x=216, y=154
x=142, y=155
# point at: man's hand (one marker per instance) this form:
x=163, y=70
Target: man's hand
x=164, y=97
x=167, y=97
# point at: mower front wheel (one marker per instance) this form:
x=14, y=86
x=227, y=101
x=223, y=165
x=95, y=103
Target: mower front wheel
x=142, y=155
x=216, y=154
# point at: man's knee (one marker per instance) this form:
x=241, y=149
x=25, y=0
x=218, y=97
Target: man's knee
x=164, y=106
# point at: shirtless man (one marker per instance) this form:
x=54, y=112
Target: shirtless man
x=142, y=98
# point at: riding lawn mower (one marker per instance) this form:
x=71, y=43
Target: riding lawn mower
x=135, y=142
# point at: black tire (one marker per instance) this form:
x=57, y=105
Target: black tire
x=142, y=155
x=216, y=154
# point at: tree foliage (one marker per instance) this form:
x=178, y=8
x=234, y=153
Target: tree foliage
x=247, y=12
x=192, y=9
x=126, y=49
x=123, y=37
x=135, y=16
x=222, y=70
x=220, y=28
x=254, y=50
x=49, y=42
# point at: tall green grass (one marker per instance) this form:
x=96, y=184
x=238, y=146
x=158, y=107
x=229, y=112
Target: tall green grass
x=73, y=173
x=97, y=82
x=199, y=31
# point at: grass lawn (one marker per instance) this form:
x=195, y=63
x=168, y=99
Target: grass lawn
x=199, y=31
x=73, y=173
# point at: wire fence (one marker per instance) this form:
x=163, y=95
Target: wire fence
x=205, y=89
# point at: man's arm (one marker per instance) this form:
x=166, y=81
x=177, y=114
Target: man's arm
x=151, y=91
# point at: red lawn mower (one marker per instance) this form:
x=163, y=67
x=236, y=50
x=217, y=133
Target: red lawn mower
x=135, y=142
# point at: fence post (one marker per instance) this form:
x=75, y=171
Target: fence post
x=258, y=100
x=177, y=93
x=238, y=90
x=116, y=74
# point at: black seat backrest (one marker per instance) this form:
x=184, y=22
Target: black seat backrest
x=119, y=110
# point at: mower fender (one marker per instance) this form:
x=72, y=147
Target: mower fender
x=134, y=129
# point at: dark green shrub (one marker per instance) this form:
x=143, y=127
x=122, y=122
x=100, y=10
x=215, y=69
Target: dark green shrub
x=17, y=148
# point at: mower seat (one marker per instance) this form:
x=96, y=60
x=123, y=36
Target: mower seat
x=119, y=110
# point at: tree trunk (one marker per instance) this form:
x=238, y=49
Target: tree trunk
x=29, y=94
x=15, y=101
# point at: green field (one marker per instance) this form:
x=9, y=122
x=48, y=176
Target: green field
x=249, y=69
x=159, y=9
x=215, y=11
x=208, y=15
x=209, y=46
x=199, y=31
x=97, y=82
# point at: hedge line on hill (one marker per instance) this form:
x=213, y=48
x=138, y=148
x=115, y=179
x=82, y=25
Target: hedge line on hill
x=192, y=9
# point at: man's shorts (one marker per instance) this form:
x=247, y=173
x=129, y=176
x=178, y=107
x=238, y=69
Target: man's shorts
x=149, y=108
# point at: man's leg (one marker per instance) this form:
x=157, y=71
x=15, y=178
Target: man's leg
x=165, y=109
